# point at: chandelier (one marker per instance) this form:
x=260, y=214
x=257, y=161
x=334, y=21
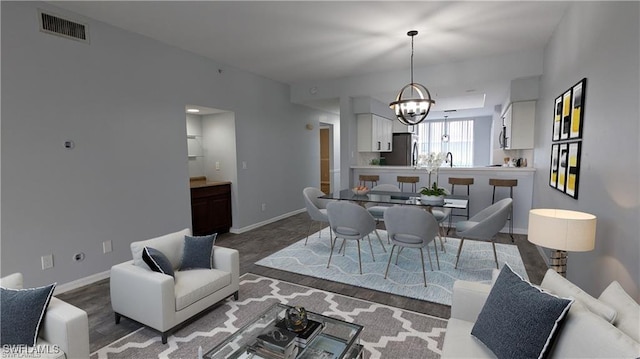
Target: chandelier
x=413, y=109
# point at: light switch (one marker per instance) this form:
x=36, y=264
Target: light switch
x=217, y=166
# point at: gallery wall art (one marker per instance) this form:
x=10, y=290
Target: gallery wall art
x=568, y=120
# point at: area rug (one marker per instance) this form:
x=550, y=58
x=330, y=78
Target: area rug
x=405, y=279
x=388, y=332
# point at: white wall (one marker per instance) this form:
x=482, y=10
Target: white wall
x=599, y=41
x=121, y=98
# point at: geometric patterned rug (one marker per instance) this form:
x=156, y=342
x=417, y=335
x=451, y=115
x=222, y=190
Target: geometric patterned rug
x=406, y=279
x=388, y=332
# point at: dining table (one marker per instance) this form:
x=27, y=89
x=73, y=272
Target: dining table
x=397, y=198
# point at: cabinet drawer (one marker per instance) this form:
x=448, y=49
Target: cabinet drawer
x=210, y=191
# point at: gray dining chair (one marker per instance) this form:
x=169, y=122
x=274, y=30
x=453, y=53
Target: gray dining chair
x=348, y=220
x=441, y=214
x=377, y=209
x=485, y=225
x=316, y=208
x=411, y=227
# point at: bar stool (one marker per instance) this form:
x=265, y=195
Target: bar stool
x=412, y=180
x=500, y=182
x=460, y=181
x=369, y=178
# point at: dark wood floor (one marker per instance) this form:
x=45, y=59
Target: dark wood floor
x=257, y=244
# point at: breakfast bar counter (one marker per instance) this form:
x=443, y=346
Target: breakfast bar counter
x=480, y=192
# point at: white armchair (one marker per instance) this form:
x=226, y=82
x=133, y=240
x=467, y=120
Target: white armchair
x=163, y=303
x=64, y=332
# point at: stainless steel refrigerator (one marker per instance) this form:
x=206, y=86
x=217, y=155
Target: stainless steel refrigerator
x=405, y=150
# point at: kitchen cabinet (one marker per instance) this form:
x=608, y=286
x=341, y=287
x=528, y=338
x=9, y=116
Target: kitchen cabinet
x=210, y=207
x=518, y=126
x=375, y=133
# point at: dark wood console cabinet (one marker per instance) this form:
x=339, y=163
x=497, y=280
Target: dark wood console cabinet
x=210, y=208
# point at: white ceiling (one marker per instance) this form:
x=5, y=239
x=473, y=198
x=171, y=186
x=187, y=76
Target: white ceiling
x=300, y=41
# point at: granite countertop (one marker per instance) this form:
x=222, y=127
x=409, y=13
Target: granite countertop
x=447, y=169
x=198, y=182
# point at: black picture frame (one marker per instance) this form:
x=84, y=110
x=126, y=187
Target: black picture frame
x=578, y=92
x=557, y=119
x=562, y=166
x=553, y=170
x=573, y=168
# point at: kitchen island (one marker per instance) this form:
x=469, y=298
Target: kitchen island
x=480, y=191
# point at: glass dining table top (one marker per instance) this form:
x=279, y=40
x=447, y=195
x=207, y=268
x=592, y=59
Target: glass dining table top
x=402, y=198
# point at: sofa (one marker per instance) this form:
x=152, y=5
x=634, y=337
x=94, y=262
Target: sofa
x=607, y=327
x=162, y=301
x=64, y=332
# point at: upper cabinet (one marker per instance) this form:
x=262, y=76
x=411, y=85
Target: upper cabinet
x=375, y=133
x=518, y=126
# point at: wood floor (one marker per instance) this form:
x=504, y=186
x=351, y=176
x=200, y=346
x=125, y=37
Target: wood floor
x=257, y=244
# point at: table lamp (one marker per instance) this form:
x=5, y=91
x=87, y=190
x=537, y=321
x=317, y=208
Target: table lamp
x=562, y=231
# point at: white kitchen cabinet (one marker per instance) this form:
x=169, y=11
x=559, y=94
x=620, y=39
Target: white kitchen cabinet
x=518, y=126
x=375, y=133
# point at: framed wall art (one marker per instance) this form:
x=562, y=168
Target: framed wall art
x=577, y=112
x=573, y=169
x=566, y=138
x=562, y=167
x=553, y=173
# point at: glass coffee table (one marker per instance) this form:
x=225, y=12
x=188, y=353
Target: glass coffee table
x=336, y=340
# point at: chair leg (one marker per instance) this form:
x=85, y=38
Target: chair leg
x=370, y=247
x=342, y=246
x=435, y=247
x=440, y=230
x=333, y=243
x=459, y=250
x=380, y=240
x=359, y=259
x=389, y=262
x=308, y=233
x=398, y=255
x=495, y=255
x=424, y=273
x=428, y=254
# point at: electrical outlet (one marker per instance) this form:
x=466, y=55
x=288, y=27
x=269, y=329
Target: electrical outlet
x=106, y=246
x=244, y=165
x=78, y=257
x=217, y=166
x=47, y=261
x=264, y=207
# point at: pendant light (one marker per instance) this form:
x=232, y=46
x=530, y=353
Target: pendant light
x=445, y=136
x=413, y=109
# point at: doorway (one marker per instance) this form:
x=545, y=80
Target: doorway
x=325, y=160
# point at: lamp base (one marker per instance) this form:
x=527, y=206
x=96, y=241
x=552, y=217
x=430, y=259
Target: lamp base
x=559, y=262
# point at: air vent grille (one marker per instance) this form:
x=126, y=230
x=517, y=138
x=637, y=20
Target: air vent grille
x=57, y=25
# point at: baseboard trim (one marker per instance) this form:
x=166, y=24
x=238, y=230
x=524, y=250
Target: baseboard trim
x=270, y=220
x=78, y=283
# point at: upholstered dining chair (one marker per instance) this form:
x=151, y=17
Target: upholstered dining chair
x=411, y=227
x=348, y=220
x=377, y=209
x=485, y=225
x=316, y=208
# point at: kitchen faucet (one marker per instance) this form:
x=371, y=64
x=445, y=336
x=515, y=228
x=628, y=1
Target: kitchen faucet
x=449, y=159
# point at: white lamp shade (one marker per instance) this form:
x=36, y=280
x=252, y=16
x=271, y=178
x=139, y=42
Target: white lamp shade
x=562, y=229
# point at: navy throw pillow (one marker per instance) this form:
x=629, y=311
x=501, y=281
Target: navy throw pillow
x=157, y=261
x=198, y=252
x=22, y=312
x=519, y=320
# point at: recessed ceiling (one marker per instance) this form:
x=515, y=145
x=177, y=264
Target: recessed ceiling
x=299, y=41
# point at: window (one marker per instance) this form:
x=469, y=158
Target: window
x=460, y=139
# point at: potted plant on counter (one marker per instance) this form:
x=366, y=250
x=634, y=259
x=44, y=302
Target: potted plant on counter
x=433, y=195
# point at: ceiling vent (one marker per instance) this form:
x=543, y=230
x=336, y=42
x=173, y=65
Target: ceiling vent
x=56, y=25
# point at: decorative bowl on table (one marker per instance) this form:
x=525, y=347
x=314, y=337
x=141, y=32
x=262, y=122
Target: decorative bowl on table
x=360, y=190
